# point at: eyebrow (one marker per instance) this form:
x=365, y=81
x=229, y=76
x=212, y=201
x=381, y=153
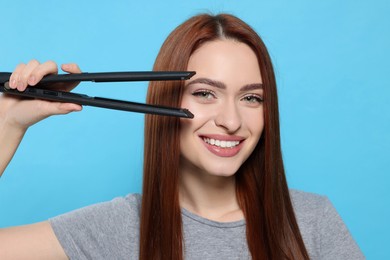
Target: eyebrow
x=221, y=85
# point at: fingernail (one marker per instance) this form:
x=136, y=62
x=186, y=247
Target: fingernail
x=20, y=86
x=31, y=80
x=12, y=84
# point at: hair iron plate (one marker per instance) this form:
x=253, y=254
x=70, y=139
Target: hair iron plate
x=42, y=90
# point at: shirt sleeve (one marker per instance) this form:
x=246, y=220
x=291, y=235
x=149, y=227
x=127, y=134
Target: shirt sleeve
x=336, y=241
x=108, y=230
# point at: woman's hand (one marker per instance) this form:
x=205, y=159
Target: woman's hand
x=21, y=113
x=17, y=114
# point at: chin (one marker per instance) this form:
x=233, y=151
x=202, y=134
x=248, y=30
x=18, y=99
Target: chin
x=222, y=172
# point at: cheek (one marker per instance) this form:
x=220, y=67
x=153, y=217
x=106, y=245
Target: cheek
x=199, y=110
x=202, y=114
x=255, y=123
x=185, y=126
x=189, y=127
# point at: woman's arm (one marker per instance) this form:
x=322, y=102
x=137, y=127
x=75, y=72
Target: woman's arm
x=9, y=141
x=36, y=241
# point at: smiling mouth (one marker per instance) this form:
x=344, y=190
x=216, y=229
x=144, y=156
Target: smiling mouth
x=221, y=143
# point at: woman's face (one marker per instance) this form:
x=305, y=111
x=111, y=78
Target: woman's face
x=225, y=96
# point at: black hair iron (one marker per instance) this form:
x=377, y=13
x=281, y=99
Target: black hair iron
x=42, y=90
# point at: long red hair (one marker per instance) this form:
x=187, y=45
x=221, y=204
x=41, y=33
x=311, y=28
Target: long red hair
x=271, y=227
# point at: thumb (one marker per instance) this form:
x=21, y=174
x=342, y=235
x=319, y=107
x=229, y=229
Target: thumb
x=59, y=108
x=49, y=108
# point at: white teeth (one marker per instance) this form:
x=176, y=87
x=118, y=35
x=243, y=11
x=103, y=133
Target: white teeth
x=221, y=143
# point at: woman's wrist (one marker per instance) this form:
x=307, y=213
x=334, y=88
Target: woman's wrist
x=10, y=138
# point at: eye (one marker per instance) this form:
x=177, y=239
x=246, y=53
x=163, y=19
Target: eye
x=204, y=94
x=253, y=99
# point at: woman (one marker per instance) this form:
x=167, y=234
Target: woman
x=214, y=186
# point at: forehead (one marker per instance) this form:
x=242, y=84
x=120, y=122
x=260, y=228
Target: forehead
x=227, y=61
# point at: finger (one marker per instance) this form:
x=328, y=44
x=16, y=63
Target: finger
x=65, y=108
x=49, y=108
x=39, y=110
x=25, y=74
x=15, y=76
x=49, y=67
x=71, y=68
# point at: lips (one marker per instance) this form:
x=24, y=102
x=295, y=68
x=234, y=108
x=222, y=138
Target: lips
x=223, y=146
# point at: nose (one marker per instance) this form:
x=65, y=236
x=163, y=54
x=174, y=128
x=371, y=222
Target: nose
x=228, y=117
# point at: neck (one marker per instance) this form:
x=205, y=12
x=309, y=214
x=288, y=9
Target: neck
x=212, y=197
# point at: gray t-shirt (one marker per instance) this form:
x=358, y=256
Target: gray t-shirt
x=110, y=230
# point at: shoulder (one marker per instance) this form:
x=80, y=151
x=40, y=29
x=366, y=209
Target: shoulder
x=106, y=230
x=306, y=202
x=130, y=203
x=311, y=211
x=322, y=229
x=118, y=210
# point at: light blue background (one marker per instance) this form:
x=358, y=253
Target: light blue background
x=332, y=65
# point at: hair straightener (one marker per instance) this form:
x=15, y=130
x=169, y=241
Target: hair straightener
x=42, y=90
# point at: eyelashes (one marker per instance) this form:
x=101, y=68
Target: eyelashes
x=207, y=96
x=204, y=94
x=253, y=98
